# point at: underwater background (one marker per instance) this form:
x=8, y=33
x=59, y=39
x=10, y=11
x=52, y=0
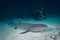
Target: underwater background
x=14, y=9
x=19, y=8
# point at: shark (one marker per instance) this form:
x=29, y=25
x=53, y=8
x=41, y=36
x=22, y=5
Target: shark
x=30, y=27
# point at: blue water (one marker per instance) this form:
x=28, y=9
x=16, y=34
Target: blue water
x=17, y=9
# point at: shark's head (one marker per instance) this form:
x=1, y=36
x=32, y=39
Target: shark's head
x=38, y=27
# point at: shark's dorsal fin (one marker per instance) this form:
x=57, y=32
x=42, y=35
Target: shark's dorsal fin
x=25, y=31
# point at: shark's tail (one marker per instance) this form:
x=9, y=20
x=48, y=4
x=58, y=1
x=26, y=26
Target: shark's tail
x=15, y=24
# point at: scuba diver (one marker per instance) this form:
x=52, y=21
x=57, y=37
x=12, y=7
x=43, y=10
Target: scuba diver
x=40, y=14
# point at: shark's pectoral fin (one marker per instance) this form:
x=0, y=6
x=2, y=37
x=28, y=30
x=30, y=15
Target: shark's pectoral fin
x=25, y=31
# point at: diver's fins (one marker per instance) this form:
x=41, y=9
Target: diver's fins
x=25, y=31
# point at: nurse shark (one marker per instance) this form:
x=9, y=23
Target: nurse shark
x=30, y=27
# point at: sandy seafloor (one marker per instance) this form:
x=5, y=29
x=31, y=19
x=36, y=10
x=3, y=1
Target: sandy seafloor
x=9, y=33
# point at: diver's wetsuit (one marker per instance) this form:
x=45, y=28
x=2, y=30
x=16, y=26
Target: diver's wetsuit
x=40, y=15
x=37, y=16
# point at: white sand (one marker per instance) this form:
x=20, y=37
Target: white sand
x=8, y=33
